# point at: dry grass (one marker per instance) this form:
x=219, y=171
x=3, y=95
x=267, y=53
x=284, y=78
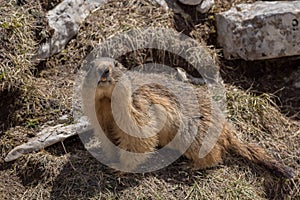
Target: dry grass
x=24, y=95
x=17, y=45
x=68, y=171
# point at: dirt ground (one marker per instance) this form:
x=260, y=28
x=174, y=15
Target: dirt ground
x=263, y=103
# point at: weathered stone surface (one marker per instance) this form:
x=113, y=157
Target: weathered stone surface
x=47, y=137
x=261, y=30
x=205, y=6
x=191, y=2
x=65, y=19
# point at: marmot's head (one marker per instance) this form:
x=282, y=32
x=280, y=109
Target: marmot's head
x=109, y=73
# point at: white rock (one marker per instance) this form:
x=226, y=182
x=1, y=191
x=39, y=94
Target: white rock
x=47, y=137
x=185, y=77
x=205, y=6
x=181, y=74
x=63, y=119
x=261, y=30
x=190, y=2
x=65, y=19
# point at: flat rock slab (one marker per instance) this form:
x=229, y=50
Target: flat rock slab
x=261, y=30
x=65, y=20
x=47, y=137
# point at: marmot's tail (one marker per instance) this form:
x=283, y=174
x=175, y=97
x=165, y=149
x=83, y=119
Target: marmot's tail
x=257, y=155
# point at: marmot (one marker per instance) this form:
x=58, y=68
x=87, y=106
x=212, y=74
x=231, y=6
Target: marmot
x=137, y=105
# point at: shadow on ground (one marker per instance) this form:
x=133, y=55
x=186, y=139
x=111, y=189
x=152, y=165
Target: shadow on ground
x=85, y=177
x=279, y=78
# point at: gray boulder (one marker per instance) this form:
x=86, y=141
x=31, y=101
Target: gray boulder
x=65, y=20
x=261, y=30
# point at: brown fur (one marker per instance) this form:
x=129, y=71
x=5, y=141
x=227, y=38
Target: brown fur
x=138, y=104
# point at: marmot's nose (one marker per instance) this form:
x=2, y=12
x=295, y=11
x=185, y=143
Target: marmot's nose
x=104, y=76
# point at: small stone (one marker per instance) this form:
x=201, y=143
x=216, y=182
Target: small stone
x=205, y=6
x=297, y=84
x=190, y=2
x=261, y=30
x=63, y=119
x=181, y=74
x=163, y=3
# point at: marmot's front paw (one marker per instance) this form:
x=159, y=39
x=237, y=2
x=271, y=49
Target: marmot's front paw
x=120, y=169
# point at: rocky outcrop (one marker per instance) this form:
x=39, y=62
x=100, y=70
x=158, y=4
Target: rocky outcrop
x=47, y=137
x=261, y=30
x=65, y=20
